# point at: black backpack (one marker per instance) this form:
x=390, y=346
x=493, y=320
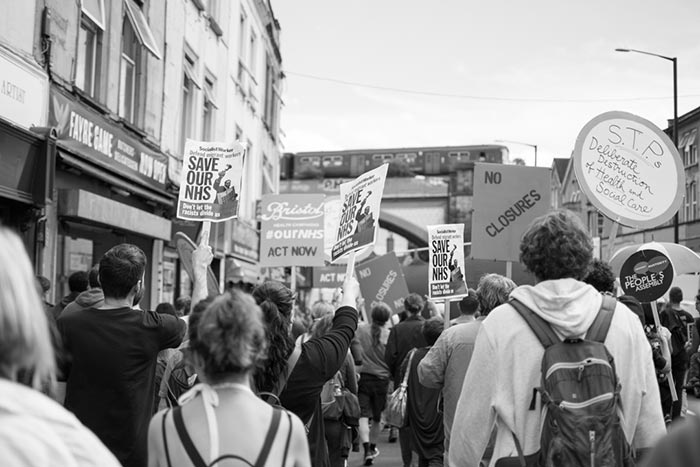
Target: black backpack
x=580, y=392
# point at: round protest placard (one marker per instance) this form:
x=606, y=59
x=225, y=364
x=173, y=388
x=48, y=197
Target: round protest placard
x=629, y=169
x=646, y=275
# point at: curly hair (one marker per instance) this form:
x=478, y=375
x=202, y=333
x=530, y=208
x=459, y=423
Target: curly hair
x=556, y=246
x=228, y=335
x=600, y=276
x=276, y=302
x=492, y=291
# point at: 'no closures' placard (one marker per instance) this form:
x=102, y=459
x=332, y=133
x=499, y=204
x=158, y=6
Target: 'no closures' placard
x=506, y=199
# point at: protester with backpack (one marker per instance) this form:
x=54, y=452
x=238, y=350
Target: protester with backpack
x=222, y=419
x=339, y=403
x=505, y=382
x=298, y=373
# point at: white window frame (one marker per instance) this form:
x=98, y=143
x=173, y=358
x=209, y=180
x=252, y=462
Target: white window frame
x=81, y=68
x=141, y=27
x=135, y=63
x=97, y=17
x=208, y=108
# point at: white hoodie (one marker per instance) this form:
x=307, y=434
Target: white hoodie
x=505, y=368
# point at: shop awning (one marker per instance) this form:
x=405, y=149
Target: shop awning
x=99, y=173
x=82, y=204
x=238, y=271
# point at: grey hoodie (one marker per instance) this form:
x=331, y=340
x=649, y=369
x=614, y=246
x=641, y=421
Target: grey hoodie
x=91, y=298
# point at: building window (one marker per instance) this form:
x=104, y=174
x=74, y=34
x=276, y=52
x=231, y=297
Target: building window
x=691, y=202
x=213, y=9
x=87, y=70
x=272, y=97
x=208, y=107
x=189, y=83
x=241, y=34
x=252, y=52
x=691, y=148
x=130, y=69
x=136, y=34
x=268, y=175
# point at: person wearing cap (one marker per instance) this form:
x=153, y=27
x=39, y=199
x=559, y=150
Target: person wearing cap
x=404, y=337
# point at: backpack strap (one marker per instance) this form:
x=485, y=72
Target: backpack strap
x=600, y=326
x=289, y=438
x=539, y=326
x=187, y=443
x=269, y=438
x=165, y=439
x=284, y=376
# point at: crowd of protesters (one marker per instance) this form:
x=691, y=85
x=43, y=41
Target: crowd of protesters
x=240, y=377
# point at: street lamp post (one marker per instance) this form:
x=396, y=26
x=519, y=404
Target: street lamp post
x=524, y=144
x=674, y=60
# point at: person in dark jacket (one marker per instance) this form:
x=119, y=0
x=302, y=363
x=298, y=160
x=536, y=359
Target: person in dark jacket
x=93, y=297
x=404, y=337
x=423, y=411
x=317, y=359
x=676, y=320
x=77, y=284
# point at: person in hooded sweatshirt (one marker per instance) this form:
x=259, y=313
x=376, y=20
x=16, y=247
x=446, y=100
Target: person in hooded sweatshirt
x=506, y=363
x=77, y=284
x=93, y=297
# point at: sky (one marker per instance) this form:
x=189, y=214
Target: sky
x=531, y=71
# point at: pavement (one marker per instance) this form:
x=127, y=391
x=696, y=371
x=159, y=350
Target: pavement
x=389, y=454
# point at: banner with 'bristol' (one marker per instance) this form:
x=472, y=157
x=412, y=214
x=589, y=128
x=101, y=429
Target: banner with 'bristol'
x=292, y=230
x=359, y=215
x=446, y=267
x=210, y=181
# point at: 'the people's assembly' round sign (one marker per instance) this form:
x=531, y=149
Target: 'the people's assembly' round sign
x=646, y=275
x=629, y=169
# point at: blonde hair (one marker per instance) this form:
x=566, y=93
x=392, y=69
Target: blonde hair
x=25, y=342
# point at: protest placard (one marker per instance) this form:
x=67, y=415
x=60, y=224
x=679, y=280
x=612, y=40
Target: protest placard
x=646, y=275
x=292, y=230
x=381, y=280
x=359, y=214
x=210, y=181
x=629, y=169
x=328, y=277
x=506, y=199
x=446, y=268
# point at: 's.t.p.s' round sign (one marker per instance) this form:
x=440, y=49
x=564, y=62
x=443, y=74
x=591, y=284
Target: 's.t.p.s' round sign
x=629, y=169
x=646, y=275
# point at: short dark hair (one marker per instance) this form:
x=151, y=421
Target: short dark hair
x=78, y=281
x=556, y=246
x=600, y=276
x=469, y=304
x=634, y=305
x=432, y=328
x=675, y=295
x=413, y=303
x=121, y=268
x=94, y=277
x=166, y=308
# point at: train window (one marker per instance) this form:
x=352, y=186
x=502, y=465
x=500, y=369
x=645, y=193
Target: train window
x=406, y=156
x=383, y=157
x=460, y=155
x=310, y=160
